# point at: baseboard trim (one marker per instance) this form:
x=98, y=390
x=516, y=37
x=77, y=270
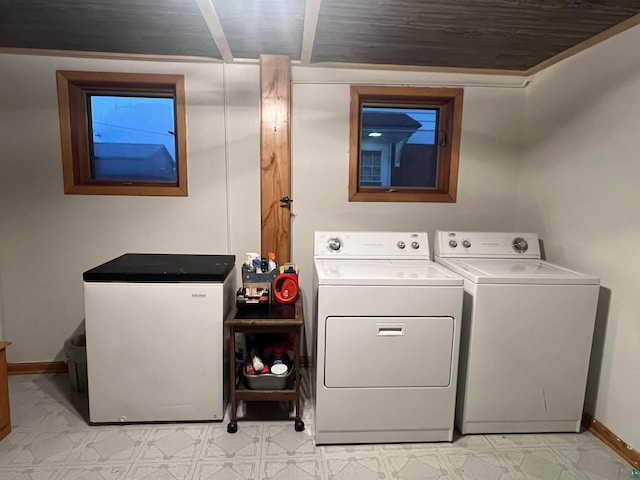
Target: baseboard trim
x=611, y=440
x=36, y=367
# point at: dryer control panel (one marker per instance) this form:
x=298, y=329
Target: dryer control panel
x=373, y=245
x=486, y=245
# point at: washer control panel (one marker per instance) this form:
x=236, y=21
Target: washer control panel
x=372, y=245
x=486, y=244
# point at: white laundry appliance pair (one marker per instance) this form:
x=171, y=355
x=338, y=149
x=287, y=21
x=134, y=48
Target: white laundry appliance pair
x=388, y=332
x=527, y=331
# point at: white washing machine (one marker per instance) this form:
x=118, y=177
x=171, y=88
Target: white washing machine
x=388, y=333
x=526, y=337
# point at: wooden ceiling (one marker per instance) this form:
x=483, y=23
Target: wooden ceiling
x=505, y=36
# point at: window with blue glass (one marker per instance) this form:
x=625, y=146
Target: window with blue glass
x=404, y=144
x=132, y=138
x=124, y=134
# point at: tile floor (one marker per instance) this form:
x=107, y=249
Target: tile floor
x=51, y=440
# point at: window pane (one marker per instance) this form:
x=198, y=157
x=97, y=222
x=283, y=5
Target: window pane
x=132, y=138
x=370, y=171
x=405, y=139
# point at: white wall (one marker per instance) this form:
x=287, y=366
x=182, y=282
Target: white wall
x=579, y=189
x=243, y=157
x=47, y=238
x=489, y=161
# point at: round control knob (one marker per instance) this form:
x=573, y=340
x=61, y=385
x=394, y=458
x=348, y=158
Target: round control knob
x=453, y=243
x=401, y=245
x=415, y=245
x=335, y=244
x=466, y=243
x=520, y=245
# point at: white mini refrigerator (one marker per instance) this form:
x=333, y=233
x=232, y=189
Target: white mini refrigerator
x=156, y=339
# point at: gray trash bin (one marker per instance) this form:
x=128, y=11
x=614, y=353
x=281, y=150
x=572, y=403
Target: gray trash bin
x=75, y=349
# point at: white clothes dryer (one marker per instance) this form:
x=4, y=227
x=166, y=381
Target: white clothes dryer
x=526, y=337
x=388, y=332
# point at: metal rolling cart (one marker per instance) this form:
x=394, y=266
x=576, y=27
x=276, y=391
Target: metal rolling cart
x=278, y=318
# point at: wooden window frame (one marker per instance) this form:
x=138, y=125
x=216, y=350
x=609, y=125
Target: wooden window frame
x=73, y=87
x=448, y=101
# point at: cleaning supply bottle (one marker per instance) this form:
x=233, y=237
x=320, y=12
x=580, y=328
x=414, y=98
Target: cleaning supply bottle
x=285, y=288
x=279, y=359
x=257, y=263
x=248, y=263
x=278, y=354
x=272, y=261
x=250, y=256
x=241, y=347
x=257, y=363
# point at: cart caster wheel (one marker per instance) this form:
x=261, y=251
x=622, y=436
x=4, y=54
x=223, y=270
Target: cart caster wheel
x=299, y=425
x=232, y=427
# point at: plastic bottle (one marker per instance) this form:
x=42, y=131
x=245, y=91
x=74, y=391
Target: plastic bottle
x=292, y=343
x=250, y=256
x=256, y=363
x=257, y=265
x=279, y=359
x=241, y=346
x=272, y=261
x=277, y=352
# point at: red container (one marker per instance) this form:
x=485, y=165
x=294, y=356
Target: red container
x=277, y=350
x=285, y=288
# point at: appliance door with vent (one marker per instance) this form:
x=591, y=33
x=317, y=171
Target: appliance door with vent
x=387, y=362
x=389, y=352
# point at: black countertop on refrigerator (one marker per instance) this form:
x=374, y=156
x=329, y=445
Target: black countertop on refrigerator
x=156, y=267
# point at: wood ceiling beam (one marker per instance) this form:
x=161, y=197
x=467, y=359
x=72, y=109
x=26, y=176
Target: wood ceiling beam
x=215, y=27
x=311, y=13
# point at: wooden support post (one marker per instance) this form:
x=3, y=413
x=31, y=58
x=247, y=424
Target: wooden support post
x=275, y=156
